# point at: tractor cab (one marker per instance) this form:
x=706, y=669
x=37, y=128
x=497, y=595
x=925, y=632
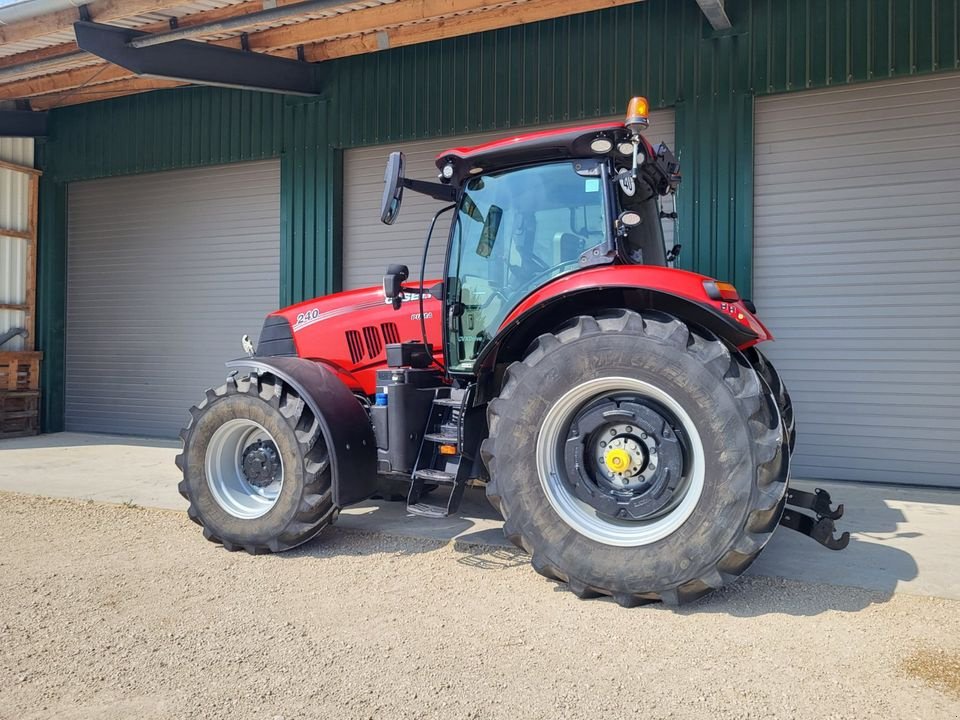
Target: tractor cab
x=531, y=209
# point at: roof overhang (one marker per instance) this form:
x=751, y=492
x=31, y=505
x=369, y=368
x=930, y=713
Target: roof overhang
x=234, y=43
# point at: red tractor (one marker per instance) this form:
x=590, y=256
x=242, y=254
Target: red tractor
x=633, y=437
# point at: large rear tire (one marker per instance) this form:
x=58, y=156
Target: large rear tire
x=769, y=373
x=601, y=517
x=256, y=470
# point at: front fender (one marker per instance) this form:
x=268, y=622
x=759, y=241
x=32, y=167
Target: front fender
x=343, y=421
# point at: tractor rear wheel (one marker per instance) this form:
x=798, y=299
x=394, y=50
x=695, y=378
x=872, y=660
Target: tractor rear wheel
x=636, y=457
x=256, y=470
x=770, y=376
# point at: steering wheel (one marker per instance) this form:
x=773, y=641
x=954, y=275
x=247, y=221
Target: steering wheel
x=535, y=267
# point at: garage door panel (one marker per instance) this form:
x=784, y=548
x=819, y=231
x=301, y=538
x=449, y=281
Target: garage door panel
x=857, y=255
x=166, y=272
x=369, y=246
x=923, y=96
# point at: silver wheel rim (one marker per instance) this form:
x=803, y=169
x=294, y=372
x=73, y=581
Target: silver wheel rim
x=582, y=517
x=225, y=477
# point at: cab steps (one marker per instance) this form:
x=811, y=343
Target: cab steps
x=440, y=463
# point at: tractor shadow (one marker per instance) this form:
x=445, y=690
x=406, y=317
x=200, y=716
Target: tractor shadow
x=894, y=532
x=475, y=530
x=891, y=527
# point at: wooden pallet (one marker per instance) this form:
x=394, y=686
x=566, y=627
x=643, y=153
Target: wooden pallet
x=19, y=413
x=20, y=371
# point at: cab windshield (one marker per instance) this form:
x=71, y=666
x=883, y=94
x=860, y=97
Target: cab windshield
x=514, y=231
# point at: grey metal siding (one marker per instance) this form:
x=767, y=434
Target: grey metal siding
x=369, y=246
x=857, y=260
x=166, y=272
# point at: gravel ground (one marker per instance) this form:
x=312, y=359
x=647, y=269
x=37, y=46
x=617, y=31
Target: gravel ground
x=116, y=612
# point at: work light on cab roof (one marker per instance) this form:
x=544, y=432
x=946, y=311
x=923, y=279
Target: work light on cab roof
x=617, y=409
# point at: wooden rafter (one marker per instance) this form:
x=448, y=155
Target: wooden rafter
x=129, y=86
x=533, y=11
x=366, y=30
x=68, y=80
x=100, y=11
x=367, y=20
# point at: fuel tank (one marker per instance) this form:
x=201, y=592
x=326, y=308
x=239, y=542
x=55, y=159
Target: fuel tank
x=350, y=330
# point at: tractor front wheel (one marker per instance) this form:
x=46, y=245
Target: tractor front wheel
x=636, y=457
x=256, y=470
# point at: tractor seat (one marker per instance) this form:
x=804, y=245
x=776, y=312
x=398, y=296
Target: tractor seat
x=571, y=246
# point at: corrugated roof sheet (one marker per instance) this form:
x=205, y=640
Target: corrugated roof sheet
x=184, y=10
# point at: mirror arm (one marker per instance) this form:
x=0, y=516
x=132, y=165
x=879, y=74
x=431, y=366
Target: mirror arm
x=437, y=191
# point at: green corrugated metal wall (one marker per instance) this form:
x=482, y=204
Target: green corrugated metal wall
x=578, y=67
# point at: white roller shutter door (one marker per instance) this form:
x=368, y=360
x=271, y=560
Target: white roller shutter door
x=369, y=246
x=857, y=273
x=165, y=273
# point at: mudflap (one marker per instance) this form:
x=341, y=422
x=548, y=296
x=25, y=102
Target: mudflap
x=345, y=424
x=821, y=527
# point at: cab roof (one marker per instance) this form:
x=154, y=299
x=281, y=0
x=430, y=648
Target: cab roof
x=536, y=147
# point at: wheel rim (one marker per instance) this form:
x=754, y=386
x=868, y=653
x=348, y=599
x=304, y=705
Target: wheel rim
x=566, y=497
x=244, y=469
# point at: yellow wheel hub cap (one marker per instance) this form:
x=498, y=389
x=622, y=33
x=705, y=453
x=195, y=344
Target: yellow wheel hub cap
x=617, y=460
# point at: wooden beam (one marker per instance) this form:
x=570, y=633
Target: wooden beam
x=100, y=11
x=14, y=306
x=407, y=23
x=215, y=15
x=30, y=288
x=44, y=53
x=62, y=81
x=22, y=234
x=529, y=12
x=4, y=165
x=129, y=86
x=368, y=20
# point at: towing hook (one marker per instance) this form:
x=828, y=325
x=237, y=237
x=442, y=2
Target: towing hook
x=821, y=527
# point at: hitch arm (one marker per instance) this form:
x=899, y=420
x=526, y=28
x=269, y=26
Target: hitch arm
x=821, y=527
x=818, y=501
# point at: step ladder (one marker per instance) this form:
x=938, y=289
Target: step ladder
x=440, y=462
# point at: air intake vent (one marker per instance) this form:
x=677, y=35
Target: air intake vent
x=391, y=335
x=355, y=346
x=371, y=334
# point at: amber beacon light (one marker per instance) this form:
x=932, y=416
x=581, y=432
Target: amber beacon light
x=638, y=114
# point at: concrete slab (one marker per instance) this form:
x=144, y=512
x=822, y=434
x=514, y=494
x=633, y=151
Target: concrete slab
x=903, y=538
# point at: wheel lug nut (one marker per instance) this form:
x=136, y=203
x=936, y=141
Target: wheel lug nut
x=643, y=436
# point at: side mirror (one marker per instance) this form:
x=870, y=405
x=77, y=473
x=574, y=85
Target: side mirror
x=392, y=188
x=393, y=284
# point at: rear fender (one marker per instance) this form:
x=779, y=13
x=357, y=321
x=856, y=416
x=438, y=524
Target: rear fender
x=343, y=421
x=550, y=313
